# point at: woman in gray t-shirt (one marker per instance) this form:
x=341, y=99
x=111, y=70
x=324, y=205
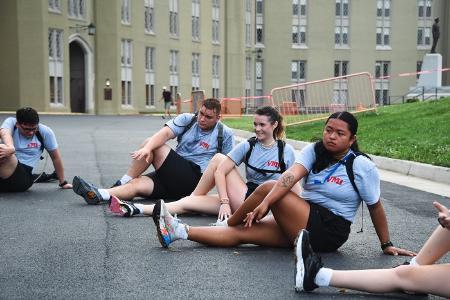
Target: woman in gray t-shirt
x=262, y=164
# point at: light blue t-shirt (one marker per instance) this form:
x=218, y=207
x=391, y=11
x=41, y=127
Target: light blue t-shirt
x=261, y=158
x=28, y=150
x=337, y=193
x=197, y=145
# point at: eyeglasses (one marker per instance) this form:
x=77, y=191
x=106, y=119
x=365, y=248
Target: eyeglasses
x=29, y=129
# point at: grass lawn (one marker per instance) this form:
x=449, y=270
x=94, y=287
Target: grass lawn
x=416, y=131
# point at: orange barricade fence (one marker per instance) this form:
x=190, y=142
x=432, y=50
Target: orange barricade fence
x=231, y=107
x=252, y=103
x=313, y=100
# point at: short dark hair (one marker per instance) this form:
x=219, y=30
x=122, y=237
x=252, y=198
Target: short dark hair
x=27, y=115
x=214, y=104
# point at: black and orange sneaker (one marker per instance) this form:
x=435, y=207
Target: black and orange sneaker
x=86, y=190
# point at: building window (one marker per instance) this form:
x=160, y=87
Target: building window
x=248, y=23
x=77, y=9
x=173, y=62
x=424, y=23
x=299, y=22
x=341, y=23
x=259, y=32
x=215, y=21
x=382, y=73
x=383, y=29
x=195, y=20
x=258, y=78
x=173, y=18
x=149, y=16
x=126, y=71
x=340, y=90
x=150, y=76
x=54, y=5
x=298, y=71
x=56, y=65
x=126, y=12
x=195, y=71
x=215, y=76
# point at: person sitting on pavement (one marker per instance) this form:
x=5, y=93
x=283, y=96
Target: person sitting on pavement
x=23, y=141
x=421, y=275
x=326, y=207
x=266, y=156
x=177, y=172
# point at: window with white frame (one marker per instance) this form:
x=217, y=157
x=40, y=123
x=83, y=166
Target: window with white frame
x=173, y=18
x=424, y=23
x=56, y=65
x=259, y=78
x=126, y=71
x=196, y=20
x=340, y=90
x=149, y=76
x=77, y=9
x=126, y=12
x=383, y=30
x=299, y=22
x=382, y=73
x=248, y=23
x=259, y=22
x=298, y=71
x=149, y=16
x=215, y=76
x=342, y=23
x=215, y=21
x=173, y=62
x=54, y=5
x=195, y=71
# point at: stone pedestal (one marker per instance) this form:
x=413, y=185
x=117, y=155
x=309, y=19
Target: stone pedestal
x=431, y=62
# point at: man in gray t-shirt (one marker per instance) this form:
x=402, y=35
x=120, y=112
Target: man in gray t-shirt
x=23, y=140
x=177, y=172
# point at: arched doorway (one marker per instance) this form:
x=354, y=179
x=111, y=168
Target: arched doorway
x=77, y=78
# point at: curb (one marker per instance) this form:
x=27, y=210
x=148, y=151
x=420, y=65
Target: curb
x=404, y=167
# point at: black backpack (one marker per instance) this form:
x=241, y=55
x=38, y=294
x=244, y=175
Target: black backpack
x=219, y=135
x=280, y=144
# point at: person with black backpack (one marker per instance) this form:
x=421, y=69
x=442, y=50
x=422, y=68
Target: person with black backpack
x=177, y=172
x=326, y=206
x=266, y=156
x=23, y=141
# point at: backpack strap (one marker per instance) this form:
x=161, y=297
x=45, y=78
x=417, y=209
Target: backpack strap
x=187, y=127
x=252, y=142
x=40, y=139
x=219, y=137
x=350, y=173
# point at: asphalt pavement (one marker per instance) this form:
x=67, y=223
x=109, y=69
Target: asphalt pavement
x=53, y=245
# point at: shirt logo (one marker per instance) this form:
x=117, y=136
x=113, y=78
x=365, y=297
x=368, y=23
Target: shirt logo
x=33, y=145
x=336, y=180
x=272, y=163
x=204, y=145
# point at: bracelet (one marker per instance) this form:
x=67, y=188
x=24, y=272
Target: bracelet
x=224, y=201
x=386, y=244
x=63, y=183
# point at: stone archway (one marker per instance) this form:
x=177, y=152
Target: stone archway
x=77, y=78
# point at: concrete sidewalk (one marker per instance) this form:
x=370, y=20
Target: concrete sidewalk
x=423, y=177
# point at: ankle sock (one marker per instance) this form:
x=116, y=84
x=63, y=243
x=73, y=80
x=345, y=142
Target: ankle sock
x=323, y=277
x=125, y=179
x=181, y=231
x=413, y=262
x=105, y=194
x=140, y=207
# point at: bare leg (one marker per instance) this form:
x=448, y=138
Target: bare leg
x=190, y=204
x=423, y=279
x=207, y=182
x=157, y=157
x=435, y=247
x=7, y=166
x=265, y=233
x=138, y=187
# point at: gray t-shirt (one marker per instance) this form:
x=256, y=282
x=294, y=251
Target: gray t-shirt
x=261, y=158
x=337, y=193
x=197, y=145
x=28, y=150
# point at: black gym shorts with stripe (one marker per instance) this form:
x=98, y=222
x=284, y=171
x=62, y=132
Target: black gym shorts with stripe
x=20, y=181
x=176, y=178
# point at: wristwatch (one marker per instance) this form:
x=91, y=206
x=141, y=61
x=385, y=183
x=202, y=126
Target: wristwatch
x=63, y=183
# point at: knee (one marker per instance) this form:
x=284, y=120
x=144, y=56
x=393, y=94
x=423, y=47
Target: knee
x=265, y=187
x=403, y=273
x=217, y=159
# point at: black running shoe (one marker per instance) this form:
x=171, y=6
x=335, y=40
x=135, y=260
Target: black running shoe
x=307, y=263
x=86, y=190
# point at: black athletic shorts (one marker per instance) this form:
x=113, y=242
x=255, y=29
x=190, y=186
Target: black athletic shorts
x=176, y=178
x=20, y=181
x=327, y=232
x=251, y=187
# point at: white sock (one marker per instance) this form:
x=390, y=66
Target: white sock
x=323, y=277
x=413, y=262
x=105, y=194
x=125, y=179
x=181, y=231
x=140, y=207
